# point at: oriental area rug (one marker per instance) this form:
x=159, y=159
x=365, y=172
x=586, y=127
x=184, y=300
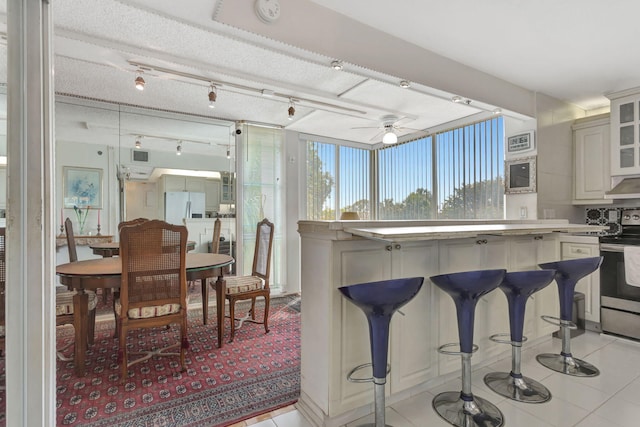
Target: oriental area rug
x=255, y=374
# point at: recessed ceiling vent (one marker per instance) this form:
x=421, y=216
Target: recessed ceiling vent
x=139, y=156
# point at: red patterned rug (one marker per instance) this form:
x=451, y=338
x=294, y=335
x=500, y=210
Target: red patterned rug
x=255, y=374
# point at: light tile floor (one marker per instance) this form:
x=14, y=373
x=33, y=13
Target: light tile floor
x=611, y=399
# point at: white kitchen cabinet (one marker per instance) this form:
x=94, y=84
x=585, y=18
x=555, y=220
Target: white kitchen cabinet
x=492, y=313
x=625, y=132
x=411, y=356
x=592, y=149
x=227, y=188
x=586, y=247
x=526, y=253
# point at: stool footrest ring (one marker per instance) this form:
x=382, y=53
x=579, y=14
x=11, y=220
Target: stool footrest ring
x=442, y=350
x=350, y=377
x=559, y=322
x=498, y=338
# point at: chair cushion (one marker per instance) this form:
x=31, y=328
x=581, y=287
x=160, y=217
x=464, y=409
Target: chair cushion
x=64, y=301
x=150, y=311
x=240, y=284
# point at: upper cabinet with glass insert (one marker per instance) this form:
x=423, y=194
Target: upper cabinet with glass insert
x=625, y=132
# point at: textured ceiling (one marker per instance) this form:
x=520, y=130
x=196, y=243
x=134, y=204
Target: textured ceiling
x=97, y=42
x=569, y=50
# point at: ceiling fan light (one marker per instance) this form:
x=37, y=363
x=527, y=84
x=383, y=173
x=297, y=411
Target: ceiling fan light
x=390, y=137
x=139, y=83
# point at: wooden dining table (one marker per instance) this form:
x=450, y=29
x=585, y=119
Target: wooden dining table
x=105, y=273
x=110, y=249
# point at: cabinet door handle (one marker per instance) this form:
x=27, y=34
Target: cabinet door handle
x=481, y=242
x=389, y=248
x=397, y=247
x=538, y=238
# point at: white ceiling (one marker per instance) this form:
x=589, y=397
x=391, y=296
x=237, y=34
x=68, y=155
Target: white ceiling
x=572, y=50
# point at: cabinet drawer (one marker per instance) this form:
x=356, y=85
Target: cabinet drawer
x=579, y=250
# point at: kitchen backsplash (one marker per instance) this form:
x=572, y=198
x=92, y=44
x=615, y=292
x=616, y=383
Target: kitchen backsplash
x=604, y=216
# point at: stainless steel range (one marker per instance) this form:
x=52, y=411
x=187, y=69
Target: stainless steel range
x=620, y=302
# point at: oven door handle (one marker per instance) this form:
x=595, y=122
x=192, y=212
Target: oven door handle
x=604, y=247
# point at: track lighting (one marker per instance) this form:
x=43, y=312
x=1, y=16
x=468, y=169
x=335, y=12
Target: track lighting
x=139, y=80
x=212, y=96
x=337, y=65
x=291, y=110
x=179, y=149
x=228, y=153
x=460, y=100
x=497, y=111
x=138, y=143
x=405, y=84
x=389, y=137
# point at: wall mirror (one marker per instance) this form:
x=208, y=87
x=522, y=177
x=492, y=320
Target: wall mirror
x=520, y=175
x=144, y=154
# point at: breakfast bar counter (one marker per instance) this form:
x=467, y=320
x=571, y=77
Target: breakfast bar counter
x=335, y=334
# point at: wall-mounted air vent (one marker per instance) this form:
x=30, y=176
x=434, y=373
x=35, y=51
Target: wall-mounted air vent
x=139, y=156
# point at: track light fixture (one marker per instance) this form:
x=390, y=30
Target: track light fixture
x=212, y=96
x=139, y=80
x=179, y=149
x=405, y=84
x=337, y=65
x=291, y=110
x=228, y=153
x=390, y=136
x=138, y=143
x=460, y=100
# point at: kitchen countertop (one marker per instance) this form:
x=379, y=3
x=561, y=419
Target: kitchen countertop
x=403, y=234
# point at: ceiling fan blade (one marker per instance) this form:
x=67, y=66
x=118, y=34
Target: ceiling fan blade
x=378, y=136
x=366, y=127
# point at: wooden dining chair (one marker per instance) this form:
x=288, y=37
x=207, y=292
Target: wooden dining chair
x=64, y=300
x=215, y=241
x=257, y=285
x=204, y=284
x=153, y=291
x=131, y=222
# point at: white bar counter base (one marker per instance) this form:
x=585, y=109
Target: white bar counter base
x=335, y=335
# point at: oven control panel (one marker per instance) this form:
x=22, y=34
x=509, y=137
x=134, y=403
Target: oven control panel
x=630, y=217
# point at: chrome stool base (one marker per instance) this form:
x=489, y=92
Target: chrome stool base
x=568, y=365
x=462, y=413
x=523, y=389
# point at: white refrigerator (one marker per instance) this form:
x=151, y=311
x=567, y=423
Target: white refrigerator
x=183, y=204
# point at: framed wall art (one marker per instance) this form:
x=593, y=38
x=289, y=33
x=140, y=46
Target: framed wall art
x=521, y=142
x=520, y=175
x=82, y=187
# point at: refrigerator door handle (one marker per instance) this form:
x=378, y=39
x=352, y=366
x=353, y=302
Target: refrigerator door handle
x=188, y=213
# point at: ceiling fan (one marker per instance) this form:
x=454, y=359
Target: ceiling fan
x=389, y=129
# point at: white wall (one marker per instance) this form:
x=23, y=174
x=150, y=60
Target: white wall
x=555, y=158
x=141, y=199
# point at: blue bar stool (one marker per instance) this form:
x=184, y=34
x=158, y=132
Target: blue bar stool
x=518, y=287
x=463, y=408
x=378, y=301
x=567, y=275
